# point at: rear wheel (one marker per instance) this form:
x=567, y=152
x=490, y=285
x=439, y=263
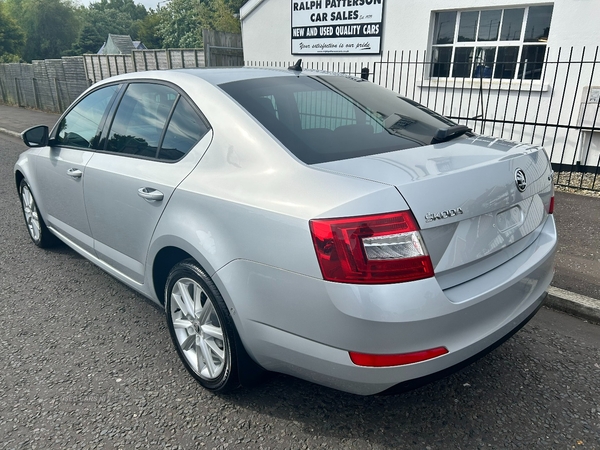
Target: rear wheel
x=39, y=233
x=201, y=327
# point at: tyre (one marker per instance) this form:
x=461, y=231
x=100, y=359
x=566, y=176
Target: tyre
x=201, y=327
x=39, y=233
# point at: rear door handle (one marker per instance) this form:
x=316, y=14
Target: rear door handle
x=74, y=173
x=150, y=194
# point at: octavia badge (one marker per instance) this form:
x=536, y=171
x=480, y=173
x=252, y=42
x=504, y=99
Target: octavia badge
x=520, y=180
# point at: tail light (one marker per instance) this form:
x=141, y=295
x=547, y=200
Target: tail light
x=551, y=206
x=367, y=360
x=376, y=249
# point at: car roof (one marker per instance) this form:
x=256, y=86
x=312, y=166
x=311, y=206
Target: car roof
x=218, y=75
x=229, y=74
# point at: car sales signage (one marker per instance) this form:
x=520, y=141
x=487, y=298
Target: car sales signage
x=337, y=26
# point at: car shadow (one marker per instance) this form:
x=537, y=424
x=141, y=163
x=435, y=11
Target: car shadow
x=457, y=403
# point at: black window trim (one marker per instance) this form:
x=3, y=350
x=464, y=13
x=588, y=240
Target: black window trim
x=52, y=142
x=109, y=116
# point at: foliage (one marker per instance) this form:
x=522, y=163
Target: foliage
x=217, y=15
x=50, y=26
x=107, y=17
x=181, y=21
x=235, y=5
x=89, y=41
x=41, y=29
x=127, y=7
x=180, y=25
x=11, y=37
x=148, y=31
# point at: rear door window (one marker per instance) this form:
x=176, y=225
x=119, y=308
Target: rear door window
x=140, y=119
x=155, y=121
x=185, y=129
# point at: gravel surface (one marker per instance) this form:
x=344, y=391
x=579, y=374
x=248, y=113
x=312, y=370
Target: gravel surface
x=578, y=183
x=87, y=363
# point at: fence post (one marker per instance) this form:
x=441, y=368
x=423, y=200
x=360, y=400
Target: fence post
x=17, y=91
x=168, y=57
x=87, y=73
x=35, y=93
x=2, y=92
x=207, y=55
x=60, y=108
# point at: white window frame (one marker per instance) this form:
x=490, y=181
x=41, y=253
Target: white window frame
x=485, y=44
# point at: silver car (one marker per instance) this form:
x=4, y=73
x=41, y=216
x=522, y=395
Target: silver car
x=302, y=222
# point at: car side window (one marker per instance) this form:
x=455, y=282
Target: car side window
x=185, y=129
x=81, y=126
x=140, y=119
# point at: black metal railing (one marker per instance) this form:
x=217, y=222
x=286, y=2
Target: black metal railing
x=558, y=107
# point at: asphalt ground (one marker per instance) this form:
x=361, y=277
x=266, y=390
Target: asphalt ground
x=576, y=285
x=86, y=363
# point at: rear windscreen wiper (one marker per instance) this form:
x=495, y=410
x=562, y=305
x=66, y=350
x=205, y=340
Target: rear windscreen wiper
x=447, y=134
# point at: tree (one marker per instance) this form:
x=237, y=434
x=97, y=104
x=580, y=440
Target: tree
x=12, y=38
x=235, y=5
x=148, y=31
x=104, y=18
x=128, y=7
x=181, y=21
x=217, y=15
x=180, y=25
x=89, y=41
x=50, y=26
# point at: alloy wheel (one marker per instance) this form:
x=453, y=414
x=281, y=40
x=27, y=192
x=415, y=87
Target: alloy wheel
x=198, y=329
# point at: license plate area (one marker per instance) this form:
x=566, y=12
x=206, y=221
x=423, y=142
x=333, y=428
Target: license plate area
x=510, y=218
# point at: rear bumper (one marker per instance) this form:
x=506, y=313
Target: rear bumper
x=305, y=327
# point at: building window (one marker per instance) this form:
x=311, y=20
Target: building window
x=492, y=43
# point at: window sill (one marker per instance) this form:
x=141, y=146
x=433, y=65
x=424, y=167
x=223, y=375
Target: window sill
x=485, y=83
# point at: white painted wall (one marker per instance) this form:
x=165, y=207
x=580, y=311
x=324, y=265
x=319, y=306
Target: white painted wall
x=266, y=25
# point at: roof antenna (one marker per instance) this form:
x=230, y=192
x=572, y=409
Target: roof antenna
x=296, y=67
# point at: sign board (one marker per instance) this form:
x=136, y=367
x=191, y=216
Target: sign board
x=352, y=27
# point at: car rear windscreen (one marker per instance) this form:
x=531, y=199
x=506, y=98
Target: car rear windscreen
x=328, y=118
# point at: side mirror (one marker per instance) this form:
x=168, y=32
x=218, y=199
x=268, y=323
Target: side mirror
x=35, y=136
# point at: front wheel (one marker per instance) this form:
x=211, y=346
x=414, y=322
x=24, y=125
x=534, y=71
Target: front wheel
x=39, y=233
x=201, y=327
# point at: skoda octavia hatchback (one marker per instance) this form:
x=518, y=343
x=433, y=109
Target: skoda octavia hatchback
x=300, y=222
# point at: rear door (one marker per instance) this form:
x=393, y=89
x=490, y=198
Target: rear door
x=129, y=183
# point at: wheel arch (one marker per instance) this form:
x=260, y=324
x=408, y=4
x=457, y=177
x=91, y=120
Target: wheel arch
x=18, y=178
x=164, y=260
x=249, y=372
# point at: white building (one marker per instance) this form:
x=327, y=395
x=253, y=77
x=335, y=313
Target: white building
x=530, y=69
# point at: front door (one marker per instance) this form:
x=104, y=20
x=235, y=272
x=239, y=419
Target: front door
x=61, y=167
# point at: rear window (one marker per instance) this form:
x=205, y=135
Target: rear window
x=328, y=118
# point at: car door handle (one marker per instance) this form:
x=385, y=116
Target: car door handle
x=150, y=194
x=74, y=173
